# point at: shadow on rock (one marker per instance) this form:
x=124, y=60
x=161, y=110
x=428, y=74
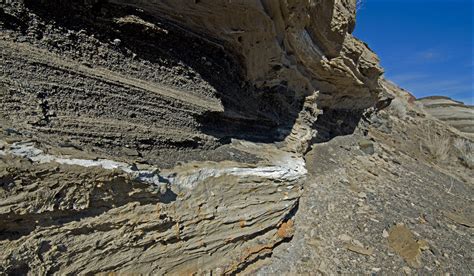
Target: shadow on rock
x=261, y=115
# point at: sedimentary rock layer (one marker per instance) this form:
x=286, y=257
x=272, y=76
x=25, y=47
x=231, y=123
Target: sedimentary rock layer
x=257, y=70
x=165, y=136
x=454, y=113
x=305, y=46
x=98, y=216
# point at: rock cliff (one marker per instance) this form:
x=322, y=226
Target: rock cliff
x=167, y=136
x=304, y=46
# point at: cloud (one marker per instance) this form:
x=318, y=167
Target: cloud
x=430, y=55
x=422, y=85
x=407, y=77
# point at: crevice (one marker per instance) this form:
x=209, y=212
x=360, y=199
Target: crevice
x=289, y=216
x=332, y=123
x=113, y=194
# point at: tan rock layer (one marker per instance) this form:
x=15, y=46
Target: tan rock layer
x=305, y=45
x=71, y=219
x=454, y=113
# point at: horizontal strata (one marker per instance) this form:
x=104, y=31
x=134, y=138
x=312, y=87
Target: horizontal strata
x=63, y=98
x=452, y=112
x=110, y=75
x=284, y=167
x=152, y=94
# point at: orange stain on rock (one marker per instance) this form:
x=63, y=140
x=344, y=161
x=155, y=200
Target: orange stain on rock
x=286, y=229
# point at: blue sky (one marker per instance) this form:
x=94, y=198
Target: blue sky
x=425, y=46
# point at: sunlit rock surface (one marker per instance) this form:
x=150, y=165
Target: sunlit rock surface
x=454, y=113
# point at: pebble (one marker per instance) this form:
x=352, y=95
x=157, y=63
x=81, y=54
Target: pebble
x=358, y=243
x=345, y=181
x=116, y=42
x=406, y=270
x=345, y=238
x=163, y=188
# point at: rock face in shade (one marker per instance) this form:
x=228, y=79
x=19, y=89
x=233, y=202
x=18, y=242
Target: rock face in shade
x=454, y=113
x=259, y=70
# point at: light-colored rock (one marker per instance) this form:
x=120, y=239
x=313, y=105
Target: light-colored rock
x=91, y=218
x=304, y=46
x=298, y=42
x=454, y=113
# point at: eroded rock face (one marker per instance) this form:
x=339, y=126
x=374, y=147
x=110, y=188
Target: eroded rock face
x=302, y=46
x=165, y=136
x=305, y=46
x=86, y=218
x=258, y=70
x=454, y=113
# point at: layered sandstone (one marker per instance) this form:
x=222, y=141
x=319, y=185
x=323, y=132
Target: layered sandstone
x=305, y=46
x=166, y=136
x=454, y=113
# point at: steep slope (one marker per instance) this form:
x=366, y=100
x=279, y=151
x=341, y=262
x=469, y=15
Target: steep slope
x=304, y=46
x=229, y=76
x=383, y=201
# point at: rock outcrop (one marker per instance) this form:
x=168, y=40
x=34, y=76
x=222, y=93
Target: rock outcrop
x=305, y=46
x=262, y=67
x=84, y=218
x=166, y=136
x=302, y=46
x=454, y=113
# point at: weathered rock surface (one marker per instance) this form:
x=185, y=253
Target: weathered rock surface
x=167, y=136
x=70, y=219
x=304, y=46
x=255, y=70
x=454, y=113
x=397, y=210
